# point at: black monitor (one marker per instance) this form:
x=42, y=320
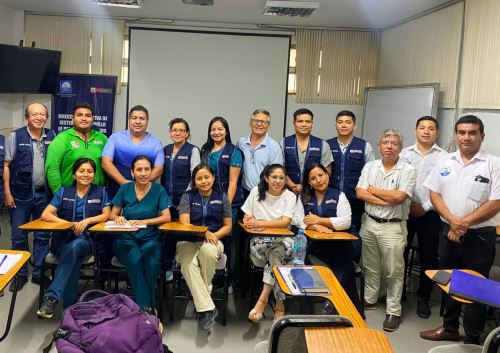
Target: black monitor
x=28, y=70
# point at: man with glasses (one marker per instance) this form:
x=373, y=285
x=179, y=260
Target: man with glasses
x=77, y=142
x=303, y=148
x=386, y=186
x=123, y=147
x=259, y=149
x=26, y=193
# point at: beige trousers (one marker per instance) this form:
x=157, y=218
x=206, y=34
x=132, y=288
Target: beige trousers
x=198, y=263
x=382, y=254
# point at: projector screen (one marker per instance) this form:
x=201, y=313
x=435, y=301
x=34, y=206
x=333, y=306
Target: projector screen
x=200, y=75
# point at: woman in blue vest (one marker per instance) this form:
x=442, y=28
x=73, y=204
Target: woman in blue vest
x=84, y=204
x=203, y=206
x=269, y=204
x=144, y=204
x=325, y=209
x=226, y=160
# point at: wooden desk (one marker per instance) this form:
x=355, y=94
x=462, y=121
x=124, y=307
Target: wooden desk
x=338, y=297
x=176, y=226
x=267, y=231
x=314, y=235
x=100, y=227
x=39, y=225
x=446, y=288
x=346, y=340
x=5, y=279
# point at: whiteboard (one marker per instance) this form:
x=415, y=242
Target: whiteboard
x=198, y=75
x=397, y=107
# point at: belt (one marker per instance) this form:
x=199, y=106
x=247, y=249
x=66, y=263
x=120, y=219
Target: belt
x=39, y=188
x=383, y=220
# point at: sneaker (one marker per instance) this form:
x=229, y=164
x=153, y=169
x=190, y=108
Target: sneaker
x=47, y=308
x=19, y=284
x=391, y=322
x=423, y=309
x=369, y=306
x=207, y=319
x=169, y=276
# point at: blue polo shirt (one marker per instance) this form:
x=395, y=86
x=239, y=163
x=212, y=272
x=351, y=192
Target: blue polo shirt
x=268, y=152
x=122, y=149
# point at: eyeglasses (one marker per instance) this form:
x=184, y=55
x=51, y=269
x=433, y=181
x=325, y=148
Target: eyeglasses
x=178, y=131
x=39, y=147
x=261, y=122
x=389, y=143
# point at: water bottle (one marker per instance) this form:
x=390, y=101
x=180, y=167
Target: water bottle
x=299, y=248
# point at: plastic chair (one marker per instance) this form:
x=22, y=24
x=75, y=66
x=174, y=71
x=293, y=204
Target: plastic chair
x=491, y=345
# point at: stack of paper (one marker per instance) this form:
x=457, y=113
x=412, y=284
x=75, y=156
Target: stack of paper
x=113, y=225
x=7, y=261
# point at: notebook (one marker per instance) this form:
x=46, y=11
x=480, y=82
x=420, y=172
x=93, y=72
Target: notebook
x=308, y=280
x=475, y=288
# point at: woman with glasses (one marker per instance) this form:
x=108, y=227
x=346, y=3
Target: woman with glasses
x=84, y=204
x=270, y=204
x=226, y=161
x=325, y=209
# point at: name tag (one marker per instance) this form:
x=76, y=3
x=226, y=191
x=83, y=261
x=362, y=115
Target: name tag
x=94, y=201
x=97, y=142
x=218, y=202
x=314, y=149
x=224, y=156
x=330, y=201
x=183, y=157
x=356, y=151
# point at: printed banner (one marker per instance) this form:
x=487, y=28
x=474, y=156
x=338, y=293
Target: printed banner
x=98, y=90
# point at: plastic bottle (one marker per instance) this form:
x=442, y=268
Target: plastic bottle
x=299, y=248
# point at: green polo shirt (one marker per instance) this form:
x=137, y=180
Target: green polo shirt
x=65, y=149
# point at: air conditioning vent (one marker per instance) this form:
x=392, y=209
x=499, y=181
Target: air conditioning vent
x=199, y=2
x=119, y=3
x=290, y=8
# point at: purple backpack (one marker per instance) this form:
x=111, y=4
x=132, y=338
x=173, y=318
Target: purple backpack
x=109, y=323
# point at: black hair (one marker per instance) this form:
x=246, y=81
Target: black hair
x=138, y=108
x=27, y=110
x=470, y=119
x=140, y=158
x=196, y=170
x=302, y=111
x=180, y=121
x=263, y=184
x=428, y=118
x=307, y=190
x=346, y=113
x=207, y=146
x=78, y=163
x=84, y=105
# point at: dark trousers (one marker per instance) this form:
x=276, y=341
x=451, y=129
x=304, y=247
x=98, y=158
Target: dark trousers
x=427, y=230
x=357, y=209
x=475, y=252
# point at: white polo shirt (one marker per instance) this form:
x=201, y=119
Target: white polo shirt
x=465, y=187
x=423, y=163
x=401, y=177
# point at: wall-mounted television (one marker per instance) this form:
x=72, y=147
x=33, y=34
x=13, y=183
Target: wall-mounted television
x=28, y=70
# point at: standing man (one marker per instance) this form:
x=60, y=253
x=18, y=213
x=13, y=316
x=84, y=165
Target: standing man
x=424, y=220
x=465, y=191
x=26, y=192
x=386, y=186
x=350, y=154
x=303, y=148
x=74, y=143
x=259, y=149
x=123, y=147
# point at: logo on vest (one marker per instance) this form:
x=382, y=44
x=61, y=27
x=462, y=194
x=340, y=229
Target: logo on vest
x=314, y=149
x=224, y=156
x=196, y=204
x=356, y=151
x=94, y=201
x=68, y=199
x=75, y=144
x=218, y=202
x=330, y=201
x=24, y=144
x=183, y=157
x=1, y=147
x=97, y=142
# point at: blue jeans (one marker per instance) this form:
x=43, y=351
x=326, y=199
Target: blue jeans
x=23, y=213
x=65, y=282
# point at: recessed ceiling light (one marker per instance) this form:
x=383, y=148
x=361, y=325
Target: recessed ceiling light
x=290, y=8
x=135, y=4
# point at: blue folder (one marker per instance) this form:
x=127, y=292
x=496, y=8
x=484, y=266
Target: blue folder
x=475, y=288
x=308, y=280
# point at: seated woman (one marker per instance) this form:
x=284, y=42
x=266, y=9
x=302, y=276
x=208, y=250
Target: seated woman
x=85, y=204
x=141, y=203
x=269, y=204
x=203, y=206
x=325, y=209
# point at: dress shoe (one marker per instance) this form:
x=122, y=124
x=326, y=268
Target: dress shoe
x=369, y=306
x=19, y=284
x=440, y=334
x=423, y=309
x=37, y=281
x=391, y=322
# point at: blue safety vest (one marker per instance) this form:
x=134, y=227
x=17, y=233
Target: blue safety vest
x=2, y=159
x=347, y=166
x=67, y=210
x=292, y=165
x=327, y=207
x=223, y=168
x=177, y=171
x=21, y=166
x=209, y=214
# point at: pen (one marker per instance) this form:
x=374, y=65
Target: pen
x=3, y=260
x=292, y=281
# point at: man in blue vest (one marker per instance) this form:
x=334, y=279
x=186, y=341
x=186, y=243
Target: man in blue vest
x=350, y=154
x=303, y=148
x=26, y=192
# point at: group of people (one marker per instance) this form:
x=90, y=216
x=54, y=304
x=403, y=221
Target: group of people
x=447, y=199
